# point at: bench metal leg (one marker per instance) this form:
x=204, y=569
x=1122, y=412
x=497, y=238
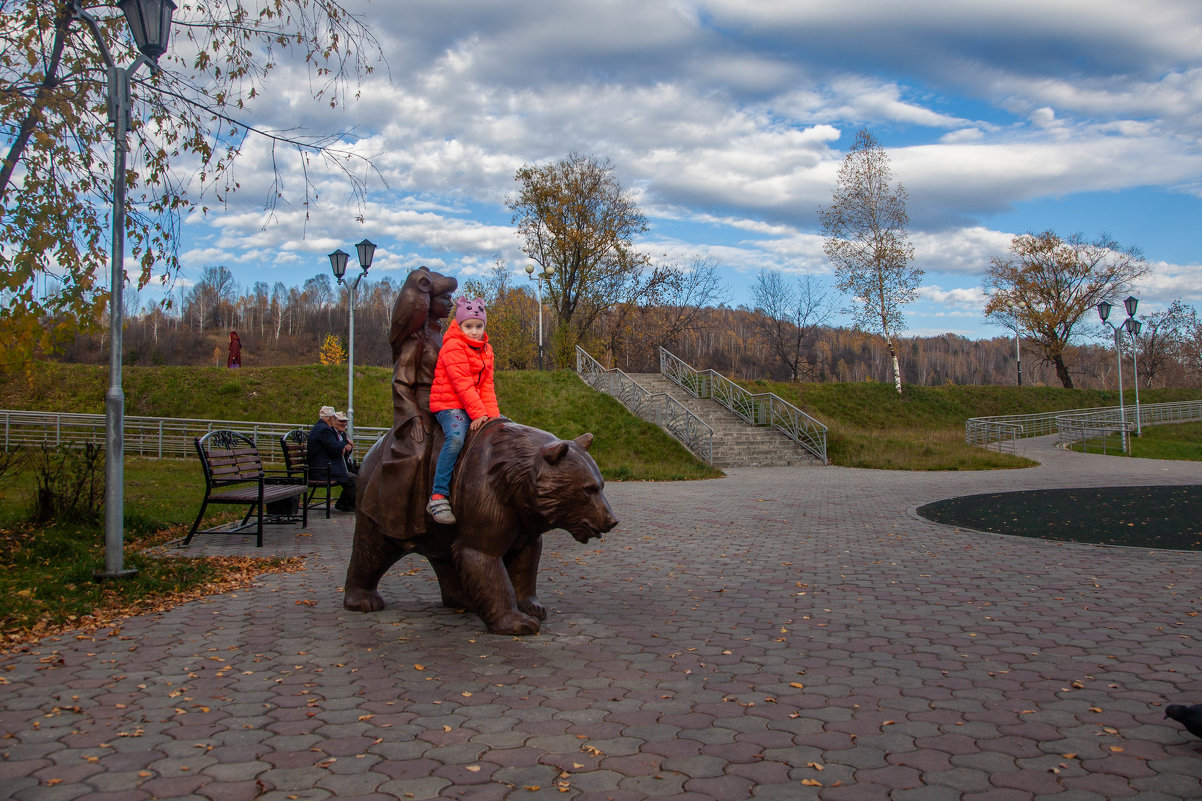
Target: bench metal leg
x=203, y=505
x=313, y=494
x=259, y=530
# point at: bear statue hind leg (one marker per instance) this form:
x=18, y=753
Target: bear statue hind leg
x=371, y=555
x=361, y=600
x=454, y=596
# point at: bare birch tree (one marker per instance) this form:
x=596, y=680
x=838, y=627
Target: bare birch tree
x=866, y=241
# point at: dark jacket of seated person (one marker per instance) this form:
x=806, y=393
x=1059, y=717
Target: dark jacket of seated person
x=325, y=460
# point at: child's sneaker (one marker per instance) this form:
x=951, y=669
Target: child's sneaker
x=440, y=510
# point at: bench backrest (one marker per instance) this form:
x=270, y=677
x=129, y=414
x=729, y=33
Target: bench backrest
x=228, y=457
x=295, y=444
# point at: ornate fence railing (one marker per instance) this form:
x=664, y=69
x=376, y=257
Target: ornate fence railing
x=659, y=408
x=1095, y=427
x=759, y=409
x=157, y=437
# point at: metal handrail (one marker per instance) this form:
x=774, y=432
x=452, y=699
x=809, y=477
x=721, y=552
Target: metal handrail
x=1002, y=436
x=155, y=437
x=655, y=407
x=759, y=409
x=1097, y=430
x=1004, y=430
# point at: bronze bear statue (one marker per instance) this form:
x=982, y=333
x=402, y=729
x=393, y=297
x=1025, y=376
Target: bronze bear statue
x=512, y=484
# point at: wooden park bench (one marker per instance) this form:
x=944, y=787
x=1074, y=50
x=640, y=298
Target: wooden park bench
x=296, y=460
x=234, y=474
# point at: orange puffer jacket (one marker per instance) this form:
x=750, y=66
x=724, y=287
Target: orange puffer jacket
x=463, y=378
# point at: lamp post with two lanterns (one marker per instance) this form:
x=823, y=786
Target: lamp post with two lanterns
x=545, y=273
x=1132, y=326
x=366, y=250
x=150, y=24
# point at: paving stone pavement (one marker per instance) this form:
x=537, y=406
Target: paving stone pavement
x=781, y=633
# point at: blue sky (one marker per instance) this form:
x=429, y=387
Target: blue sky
x=728, y=120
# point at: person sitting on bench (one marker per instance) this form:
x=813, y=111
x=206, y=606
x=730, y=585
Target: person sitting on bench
x=326, y=457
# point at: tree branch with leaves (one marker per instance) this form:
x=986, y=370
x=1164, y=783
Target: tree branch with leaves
x=190, y=124
x=1048, y=283
x=574, y=216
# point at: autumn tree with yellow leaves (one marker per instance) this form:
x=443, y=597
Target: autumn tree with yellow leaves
x=1047, y=283
x=331, y=351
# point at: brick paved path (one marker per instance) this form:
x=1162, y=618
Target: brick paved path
x=791, y=633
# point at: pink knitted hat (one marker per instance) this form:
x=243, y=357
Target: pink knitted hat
x=470, y=310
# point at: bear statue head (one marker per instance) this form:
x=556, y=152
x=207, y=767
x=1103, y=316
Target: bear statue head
x=569, y=489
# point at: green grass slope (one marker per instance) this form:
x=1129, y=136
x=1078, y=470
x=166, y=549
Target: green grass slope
x=923, y=429
x=625, y=447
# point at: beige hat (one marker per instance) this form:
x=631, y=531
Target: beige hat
x=326, y=411
x=340, y=416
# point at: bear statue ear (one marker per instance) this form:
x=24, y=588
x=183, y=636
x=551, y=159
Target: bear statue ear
x=584, y=441
x=553, y=453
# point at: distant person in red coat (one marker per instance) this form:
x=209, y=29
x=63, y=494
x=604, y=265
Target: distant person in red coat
x=462, y=397
x=235, y=357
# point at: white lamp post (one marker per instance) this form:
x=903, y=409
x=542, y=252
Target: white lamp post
x=1130, y=304
x=545, y=273
x=150, y=23
x=1019, y=308
x=338, y=259
x=1133, y=327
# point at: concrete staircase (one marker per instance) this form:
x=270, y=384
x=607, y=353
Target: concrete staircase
x=737, y=443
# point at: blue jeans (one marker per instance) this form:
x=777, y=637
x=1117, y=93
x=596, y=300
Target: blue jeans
x=455, y=423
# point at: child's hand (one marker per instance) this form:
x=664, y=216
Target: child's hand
x=479, y=421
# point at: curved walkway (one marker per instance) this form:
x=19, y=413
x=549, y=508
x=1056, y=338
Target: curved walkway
x=780, y=633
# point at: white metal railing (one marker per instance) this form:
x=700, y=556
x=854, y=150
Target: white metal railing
x=759, y=409
x=157, y=437
x=1071, y=425
x=1002, y=436
x=659, y=407
x=1096, y=433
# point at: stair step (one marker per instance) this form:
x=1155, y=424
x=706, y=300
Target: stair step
x=736, y=442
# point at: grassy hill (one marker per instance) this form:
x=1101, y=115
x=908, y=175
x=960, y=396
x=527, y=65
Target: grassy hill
x=625, y=446
x=923, y=429
x=870, y=426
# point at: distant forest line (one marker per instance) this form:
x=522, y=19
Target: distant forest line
x=287, y=326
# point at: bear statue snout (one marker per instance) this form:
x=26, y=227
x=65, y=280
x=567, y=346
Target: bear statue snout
x=596, y=520
x=610, y=522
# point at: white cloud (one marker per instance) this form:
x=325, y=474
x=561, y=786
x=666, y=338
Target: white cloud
x=955, y=301
x=727, y=120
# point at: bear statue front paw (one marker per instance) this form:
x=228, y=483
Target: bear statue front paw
x=532, y=607
x=360, y=600
x=515, y=624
